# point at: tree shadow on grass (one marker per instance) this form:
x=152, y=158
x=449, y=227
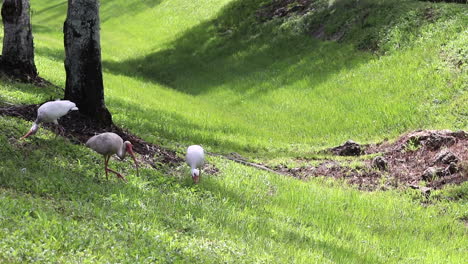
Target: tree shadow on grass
x=201, y=60
x=55, y=54
x=216, y=53
x=108, y=9
x=50, y=13
x=56, y=170
x=51, y=167
x=57, y=5
x=172, y=127
x=42, y=29
x=212, y=54
x=117, y=8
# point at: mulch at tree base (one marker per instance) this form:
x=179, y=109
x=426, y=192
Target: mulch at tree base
x=437, y=157
x=79, y=128
x=14, y=74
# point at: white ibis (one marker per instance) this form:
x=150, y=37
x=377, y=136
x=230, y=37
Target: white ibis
x=108, y=144
x=50, y=112
x=195, y=159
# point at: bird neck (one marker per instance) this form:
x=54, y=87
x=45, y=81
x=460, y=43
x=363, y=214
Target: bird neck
x=35, y=127
x=122, y=151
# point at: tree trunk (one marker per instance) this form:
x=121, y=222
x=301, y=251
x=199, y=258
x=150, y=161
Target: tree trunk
x=84, y=84
x=18, y=47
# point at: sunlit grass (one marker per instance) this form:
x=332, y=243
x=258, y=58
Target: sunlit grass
x=175, y=75
x=176, y=81
x=57, y=206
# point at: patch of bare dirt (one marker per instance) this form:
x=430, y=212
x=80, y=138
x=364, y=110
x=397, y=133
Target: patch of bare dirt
x=282, y=8
x=464, y=220
x=320, y=33
x=438, y=157
x=210, y=169
x=363, y=177
x=79, y=128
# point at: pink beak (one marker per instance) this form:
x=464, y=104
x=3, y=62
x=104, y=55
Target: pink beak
x=27, y=135
x=130, y=150
x=196, y=179
x=32, y=131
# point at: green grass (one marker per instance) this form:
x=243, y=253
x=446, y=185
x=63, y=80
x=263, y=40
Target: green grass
x=61, y=209
x=250, y=92
x=212, y=75
x=207, y=72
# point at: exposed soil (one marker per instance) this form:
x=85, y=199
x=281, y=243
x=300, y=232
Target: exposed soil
x=436, y=157
x=210, y=169
x=282, y=8
x=319, y=33
x=287, y=8
x=78, y=128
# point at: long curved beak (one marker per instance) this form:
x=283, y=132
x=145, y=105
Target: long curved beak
x=135, y=160
x=32, y=131
x=27, y=135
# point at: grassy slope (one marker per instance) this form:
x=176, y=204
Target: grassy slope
x=233, y=85
x=58, y=210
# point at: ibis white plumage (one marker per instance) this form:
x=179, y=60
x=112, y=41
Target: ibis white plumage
x=108, y=144
x=50, y=112
x=195, y=159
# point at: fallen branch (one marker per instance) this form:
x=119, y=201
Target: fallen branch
x=247, y=163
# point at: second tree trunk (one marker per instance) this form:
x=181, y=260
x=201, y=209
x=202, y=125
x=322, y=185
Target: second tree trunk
x=84, y=84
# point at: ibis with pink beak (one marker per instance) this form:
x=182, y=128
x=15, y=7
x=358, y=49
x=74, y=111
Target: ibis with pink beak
x=108, y=144
x=50, y=112
x=195, y=159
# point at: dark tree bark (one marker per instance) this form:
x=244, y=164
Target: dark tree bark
x=84, y=84
x=18, y=47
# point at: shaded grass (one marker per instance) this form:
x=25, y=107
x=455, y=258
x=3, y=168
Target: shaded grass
x=307, y=93
x=175, y=75
x=19, y=93
x=313, y=112
x=60, y=208
x=213, y=75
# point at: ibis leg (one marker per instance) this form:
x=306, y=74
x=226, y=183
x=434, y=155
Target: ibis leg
x=106, y=161
x=62, y=130
x=118, y=174
x=113, y=171
x=56, y=132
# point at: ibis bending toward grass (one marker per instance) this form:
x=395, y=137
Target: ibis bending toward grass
x=195, y=159
x=108, y=144
x=50, y=112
